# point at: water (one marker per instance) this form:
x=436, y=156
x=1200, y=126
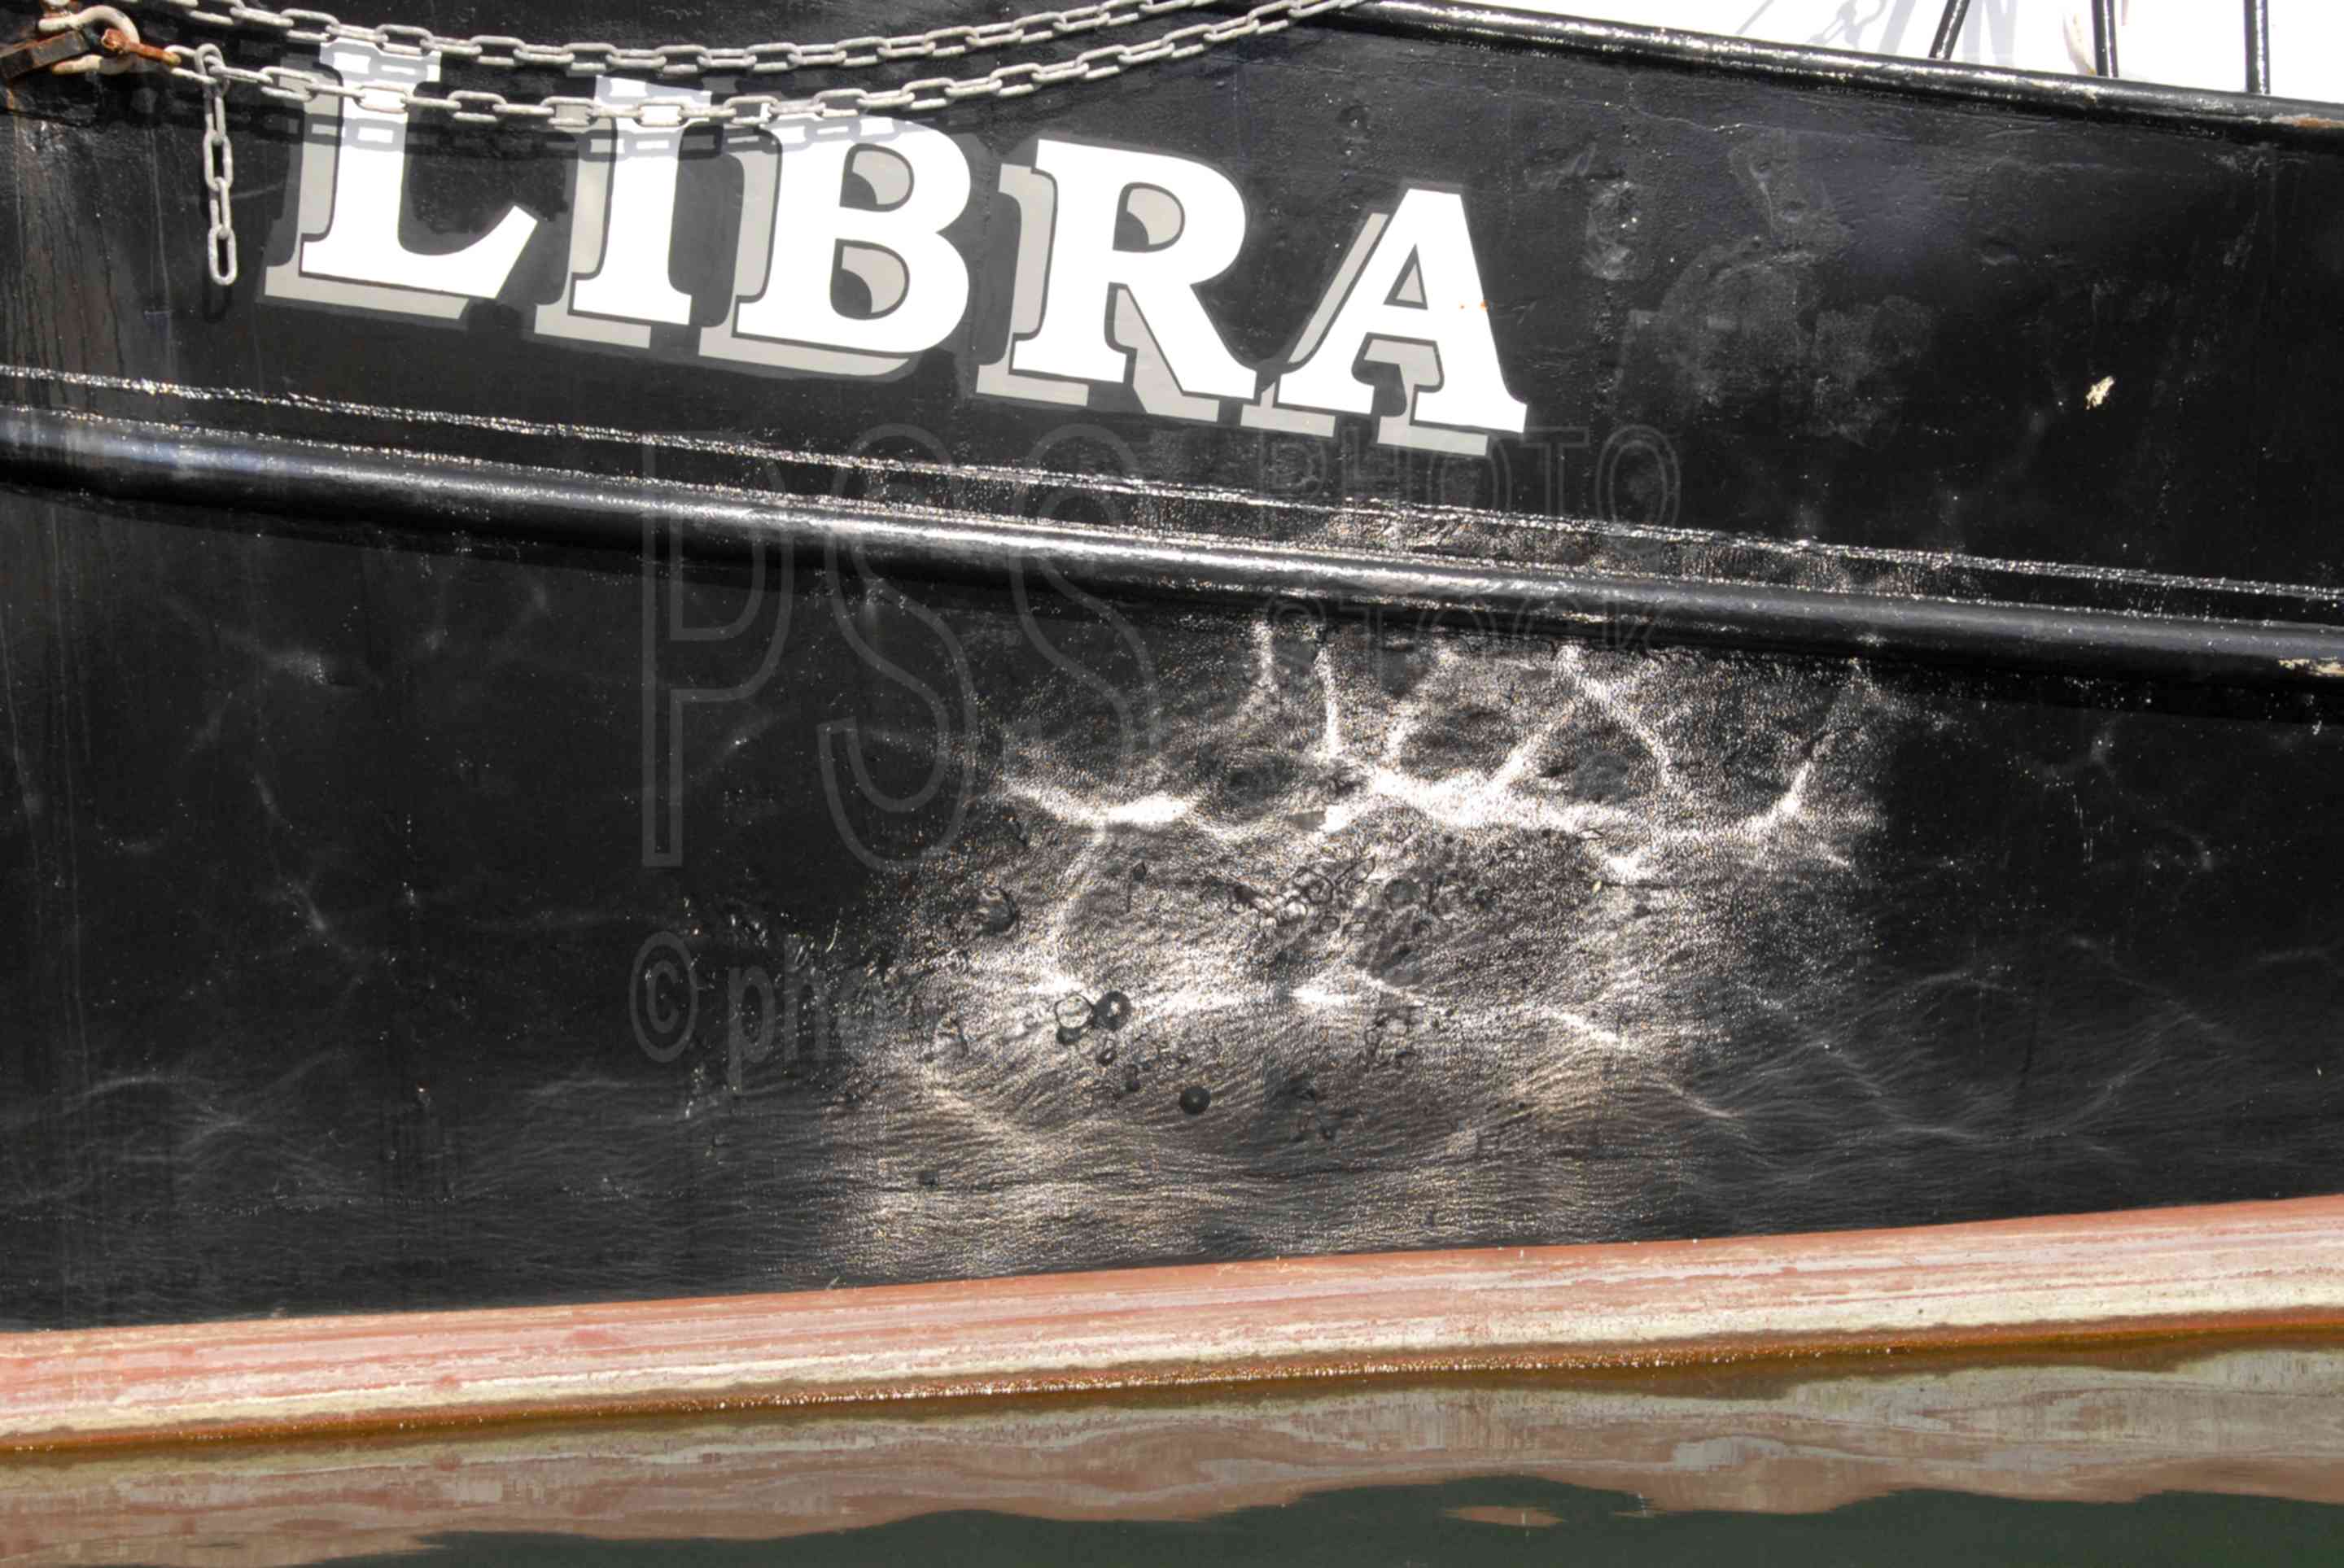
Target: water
x=1475, y=1522
x=2213, y=1451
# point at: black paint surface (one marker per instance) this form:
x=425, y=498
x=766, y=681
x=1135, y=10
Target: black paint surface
x=324, y=884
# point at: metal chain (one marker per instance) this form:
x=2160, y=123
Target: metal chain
x=292, y=84
x=209, y=68
x=219, y=169
x=673, y=60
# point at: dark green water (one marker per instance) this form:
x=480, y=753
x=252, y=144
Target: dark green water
x=1417, y=1527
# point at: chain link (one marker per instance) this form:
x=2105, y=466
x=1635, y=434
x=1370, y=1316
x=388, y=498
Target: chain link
x=292, y=84
x=675, y=60
x=209, y=68
x=219, y=169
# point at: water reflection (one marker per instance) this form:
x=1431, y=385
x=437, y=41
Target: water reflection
x=1846, y=1461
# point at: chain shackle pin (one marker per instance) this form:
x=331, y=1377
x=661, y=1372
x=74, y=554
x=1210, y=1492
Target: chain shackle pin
x=119, y=47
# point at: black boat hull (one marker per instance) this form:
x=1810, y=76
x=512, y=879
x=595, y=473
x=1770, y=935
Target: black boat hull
x=494, y=821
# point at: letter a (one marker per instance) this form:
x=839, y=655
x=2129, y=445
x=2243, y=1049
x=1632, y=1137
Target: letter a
x=1408, y=294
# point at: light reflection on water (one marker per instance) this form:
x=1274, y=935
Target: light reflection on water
x=2171, y=1454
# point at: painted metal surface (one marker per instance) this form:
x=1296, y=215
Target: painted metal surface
x=263, y=476
x=410, y=909
x=2076, y=1281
